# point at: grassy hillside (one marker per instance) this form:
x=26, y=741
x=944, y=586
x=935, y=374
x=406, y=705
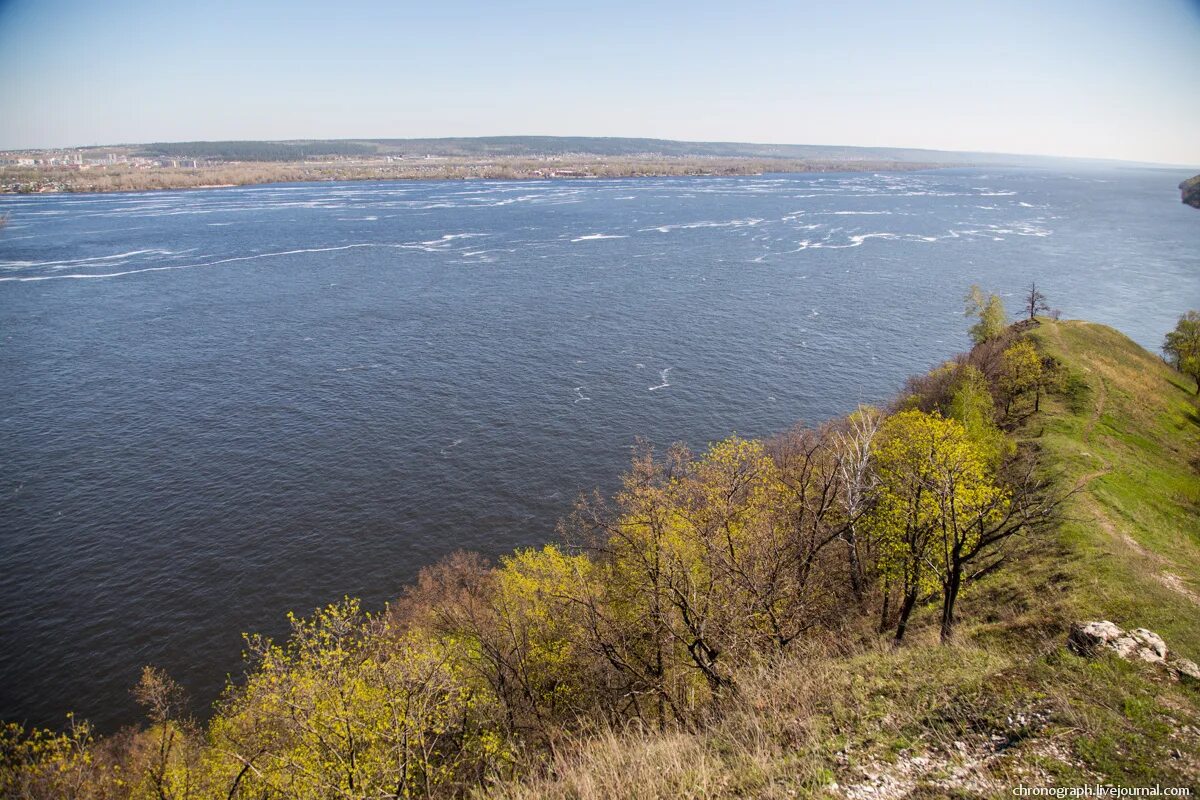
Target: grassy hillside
x=1133, y=442
x=1007, y=704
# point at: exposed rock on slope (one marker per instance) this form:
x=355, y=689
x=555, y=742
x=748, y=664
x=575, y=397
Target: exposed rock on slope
x=1093, y=638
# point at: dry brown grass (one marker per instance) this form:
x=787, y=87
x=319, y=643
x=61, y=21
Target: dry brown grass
x=924, y=720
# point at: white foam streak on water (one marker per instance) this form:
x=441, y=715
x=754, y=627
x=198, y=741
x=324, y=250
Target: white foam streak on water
x=662, y=378
x=591, y=237
x=202, y=264
x=80, y=261
x=432, y=246
x=733, y=223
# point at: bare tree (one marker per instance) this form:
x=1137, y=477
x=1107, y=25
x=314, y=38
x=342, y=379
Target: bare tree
x=858, y=485
x=172, y=765
x=1035, y=301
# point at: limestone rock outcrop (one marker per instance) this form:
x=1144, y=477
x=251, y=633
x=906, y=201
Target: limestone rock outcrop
x=1092, y=639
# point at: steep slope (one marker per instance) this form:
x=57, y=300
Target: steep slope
x=1008, y=704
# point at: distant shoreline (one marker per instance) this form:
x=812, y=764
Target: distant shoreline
x=120, y=178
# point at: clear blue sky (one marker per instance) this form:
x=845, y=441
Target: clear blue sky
x=1097, y=78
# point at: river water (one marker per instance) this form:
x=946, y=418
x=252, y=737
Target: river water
x=220, y=405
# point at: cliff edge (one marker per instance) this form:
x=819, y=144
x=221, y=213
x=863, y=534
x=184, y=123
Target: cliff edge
x=1190, y=190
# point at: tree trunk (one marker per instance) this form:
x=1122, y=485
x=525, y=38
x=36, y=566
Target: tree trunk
x=910, y=600
x=856, y=583
x=887, y=601
x=949, y=597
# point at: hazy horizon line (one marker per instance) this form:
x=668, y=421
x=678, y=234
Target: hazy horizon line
x=1097, y=159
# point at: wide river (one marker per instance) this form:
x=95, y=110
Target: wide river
x=217, y=406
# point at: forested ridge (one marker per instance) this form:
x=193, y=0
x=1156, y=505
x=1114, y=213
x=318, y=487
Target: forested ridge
x=257, y=151
x=552, y=146
x=761, y=618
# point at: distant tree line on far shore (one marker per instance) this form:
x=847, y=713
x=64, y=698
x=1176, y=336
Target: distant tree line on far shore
x=256, y=151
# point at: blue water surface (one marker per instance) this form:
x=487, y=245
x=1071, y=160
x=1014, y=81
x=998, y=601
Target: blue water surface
x=220, y=405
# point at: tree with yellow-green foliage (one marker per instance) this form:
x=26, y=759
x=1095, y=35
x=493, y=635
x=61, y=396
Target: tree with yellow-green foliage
x=988, y=310
x=939, y=507
x=709, y=563
x=1182, y=346
x=694, y=573
x=971, y=404
x=635, y=546
x=544, y=670
x=40, y=763
x=349, y=708
x=728, y=557
x=520, y=628
x=1021, y=372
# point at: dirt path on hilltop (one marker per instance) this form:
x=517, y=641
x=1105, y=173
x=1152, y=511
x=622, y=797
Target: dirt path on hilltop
x=1094, y=507
x=1097, y=411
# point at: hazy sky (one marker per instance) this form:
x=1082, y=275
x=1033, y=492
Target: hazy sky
x=1069, y=77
